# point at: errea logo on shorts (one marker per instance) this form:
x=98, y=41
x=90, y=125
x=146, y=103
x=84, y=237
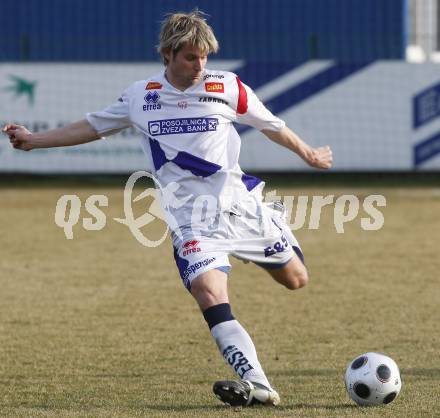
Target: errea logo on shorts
x=213, y=87
x=191, y=247
x=182, y=126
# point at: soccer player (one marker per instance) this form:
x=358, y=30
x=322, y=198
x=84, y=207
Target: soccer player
x=185, y=114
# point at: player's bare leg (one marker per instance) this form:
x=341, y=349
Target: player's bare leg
x=293, y=275
x=211, y=293
x=210, y=289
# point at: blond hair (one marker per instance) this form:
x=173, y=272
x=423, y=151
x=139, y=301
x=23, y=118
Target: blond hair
x=180, y=28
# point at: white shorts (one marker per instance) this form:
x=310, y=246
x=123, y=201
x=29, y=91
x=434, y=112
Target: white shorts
x=253, y=231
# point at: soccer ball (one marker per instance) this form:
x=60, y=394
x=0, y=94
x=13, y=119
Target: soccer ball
x=372, y=379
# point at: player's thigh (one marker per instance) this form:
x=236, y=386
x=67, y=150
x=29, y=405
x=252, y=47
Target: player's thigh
x=210, y=288
x=292, y=275
x=193, y=259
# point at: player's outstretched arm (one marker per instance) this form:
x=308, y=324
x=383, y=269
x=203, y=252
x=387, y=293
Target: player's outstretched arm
x=73, y=134
x=315, y=157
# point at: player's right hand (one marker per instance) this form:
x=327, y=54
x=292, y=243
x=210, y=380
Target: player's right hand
x=19, y=136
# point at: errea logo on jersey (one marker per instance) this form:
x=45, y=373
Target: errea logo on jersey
x=153, y=85
x=152, y=98
x=213, y=87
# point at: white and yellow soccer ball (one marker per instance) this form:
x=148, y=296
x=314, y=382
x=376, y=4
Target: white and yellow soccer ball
x=373, y=379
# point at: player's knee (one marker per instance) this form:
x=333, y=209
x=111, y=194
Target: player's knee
x=200, y=290
x=208, y=292
x=297, y=280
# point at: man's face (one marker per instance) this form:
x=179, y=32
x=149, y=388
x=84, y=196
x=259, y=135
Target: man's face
x=187, y=66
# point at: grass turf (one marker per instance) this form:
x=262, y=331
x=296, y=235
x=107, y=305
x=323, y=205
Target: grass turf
x=100, y=326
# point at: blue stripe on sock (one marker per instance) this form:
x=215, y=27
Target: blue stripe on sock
x=217, y=314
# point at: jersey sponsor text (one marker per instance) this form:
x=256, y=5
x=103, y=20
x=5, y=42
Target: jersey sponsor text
x=213, y=87
x=196, y=266
x=208, y=99
x=182, y=126
x=153, y=85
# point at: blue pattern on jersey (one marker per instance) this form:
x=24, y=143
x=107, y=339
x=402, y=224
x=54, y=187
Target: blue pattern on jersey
x=186, y=161
x=197, y=166
x=158, y=154
x=250, y=181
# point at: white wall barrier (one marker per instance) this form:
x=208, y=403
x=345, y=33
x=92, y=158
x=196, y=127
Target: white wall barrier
x=386, y=116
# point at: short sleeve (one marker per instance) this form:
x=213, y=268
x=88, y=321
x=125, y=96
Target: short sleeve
x=250, y=111
x=113, y=118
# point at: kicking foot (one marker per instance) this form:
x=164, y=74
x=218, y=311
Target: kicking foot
x=245, y=393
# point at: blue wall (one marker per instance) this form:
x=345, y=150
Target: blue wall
x=260, y=30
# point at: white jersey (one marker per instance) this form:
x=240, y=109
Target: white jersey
x=189, y=137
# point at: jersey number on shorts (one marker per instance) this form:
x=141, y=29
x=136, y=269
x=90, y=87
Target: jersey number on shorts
x=278, y=247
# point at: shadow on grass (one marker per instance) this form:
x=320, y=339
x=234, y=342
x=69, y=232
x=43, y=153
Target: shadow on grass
x=307, y=372
x=433, y=374
x=316, y=406
x=182, y=408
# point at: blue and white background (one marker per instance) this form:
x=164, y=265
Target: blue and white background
x=378, y=116
x=334, y=70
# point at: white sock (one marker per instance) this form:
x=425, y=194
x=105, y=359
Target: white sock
x=237, y=348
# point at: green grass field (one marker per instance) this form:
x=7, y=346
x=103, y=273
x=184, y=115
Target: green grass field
x=100, y=326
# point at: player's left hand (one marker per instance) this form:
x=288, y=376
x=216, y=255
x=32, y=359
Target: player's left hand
x=321, y=157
